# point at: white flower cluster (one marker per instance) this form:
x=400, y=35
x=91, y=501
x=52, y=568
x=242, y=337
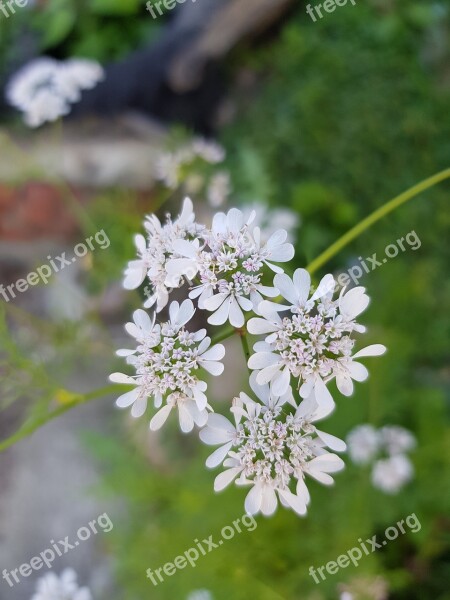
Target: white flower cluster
x=44, y=88
x=167, y=360
x=227, y=260
x=271, y=447
x=308, y=342
x=393, y=469
x=170, y=166
x=64, y=587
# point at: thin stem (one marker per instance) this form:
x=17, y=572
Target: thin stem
x=374, y=217
x=29, y=428
x=244, y=341
x=220, y=337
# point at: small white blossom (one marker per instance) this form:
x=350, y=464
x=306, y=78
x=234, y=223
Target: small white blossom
x=272, y=446
x=154, y=254
x=168, y=360
x=229, y=264
x=64, y=587
x=44, y=88
x=363, y=444
x=397, y=440
x=170, y=165
x=313, y=342
x=391, y=474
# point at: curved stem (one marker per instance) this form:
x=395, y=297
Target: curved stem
x=374, y=217
x=29, y=428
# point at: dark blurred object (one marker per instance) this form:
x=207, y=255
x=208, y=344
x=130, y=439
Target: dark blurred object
x=179, y=77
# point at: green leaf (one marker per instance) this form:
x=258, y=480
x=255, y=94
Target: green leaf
x=115, y=7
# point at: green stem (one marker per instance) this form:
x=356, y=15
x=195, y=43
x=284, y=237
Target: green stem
x=30, y=427
x=220, y=337
x=374, y=217
x=244, y=341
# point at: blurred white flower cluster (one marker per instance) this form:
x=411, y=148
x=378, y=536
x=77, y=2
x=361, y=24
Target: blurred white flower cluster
x=45, y=88
x=64, y=587
x=230, y=268
x=385, y=449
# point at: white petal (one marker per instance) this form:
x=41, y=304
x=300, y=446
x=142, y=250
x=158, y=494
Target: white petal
x=269, y=501
x=160, y=418
x=235, y=220
x=215, y=368
x=134, y=277
x=215, y=301
x=280, y=383
x=332, y=441
x=302, y=282
x=325, y=287
x=268, y=373
x=142, y=320
x=358, y=371
x=258, y=326
x=260, y=360
x=221, y=315
x=218, y=456
x=286, y=287
x=344, y=384
x=185, y=313
x=237, y=318
x=295, y=502
x=354, y=302
x=185, y=419
x=139, y=407
x=126, y=400
x=373, y=350
x=121, y=378
x=276, y=239
x=185, y=248
x=253, y=500
x=217, y=352
x=323, y=397
x=225, y=478
x=283, y=253
x=244, y=303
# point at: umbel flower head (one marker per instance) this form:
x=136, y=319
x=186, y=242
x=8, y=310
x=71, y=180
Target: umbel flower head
x=64, y=587
x=44, y=88
x=271, y=446
x=271, y=443
x=227, y=261
x=312, y=342
x=170, y=364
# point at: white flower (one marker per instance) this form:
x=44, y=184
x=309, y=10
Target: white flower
x=391, y=474
x=76, y=75
x=219, y=189
x=270, y=220
x=154, y=254
x=64, y=587
x=170, y=164
x=229, y=264
x=396, y=439
x=363, y=444
x=167, y=362
x=271, y=447
x=44, y=88
x=312, y=343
